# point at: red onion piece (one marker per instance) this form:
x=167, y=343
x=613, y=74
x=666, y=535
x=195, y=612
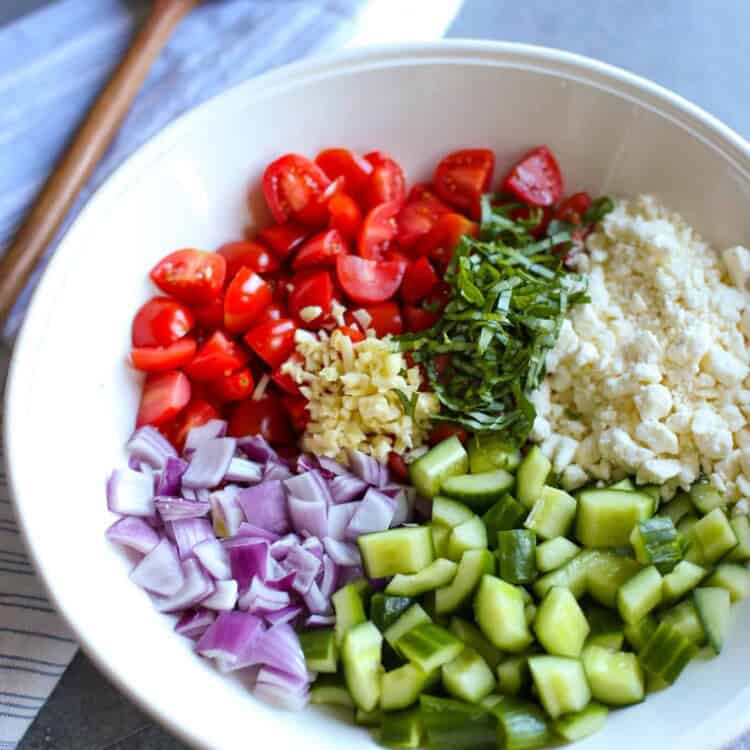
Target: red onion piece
x=149, y=446
x=231, y=636
x=347, y=487
x=309, y=486
x=133, y=533
x=130, y=493
x=188, y=532
x=309, y=517
x=197, y=587
x=265, y=505
x=209, y=463
x=214, y=558
x=195, y=622
x=175, y=508
x=160, y=571
x=248, y=562
x=170, y=478
x=224, y=596
x=342, y=553
x=214, y=428
x=375, y=513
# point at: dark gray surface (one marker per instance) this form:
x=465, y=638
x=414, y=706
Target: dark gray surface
x=696, y=47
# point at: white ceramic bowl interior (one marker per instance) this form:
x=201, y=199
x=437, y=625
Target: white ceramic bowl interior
x=71, y=399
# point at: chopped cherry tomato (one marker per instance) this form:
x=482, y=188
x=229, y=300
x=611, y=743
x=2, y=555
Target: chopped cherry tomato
x=385, y=318
x=210, y=315
x=265, y=416
x=315, y=213
x=340, y=162
x=195, y=414
x=536, y=178
x=418, y=319
x=284, y=380
x=353, y=333
x=378, y=231
x=273, y=312
x=320, y=250
x=417, y=217
x=440, y=242
x=273, y=341
x=524, y=212
x=345, y=215
x=279, y=283
x=160, y=358
x=296, y=408
x=386, y=183
x=218, y=356
x=248, y=253
x=291, y=184
x=164, y=395
x=246, y=298
x=444, y=430
x=161, y=322
x=419, y=280
x=573, y=208
x=194, y=277
x=398, y=467
x=310, y=291
x=283, y=239
x=234, y=387
x=367, y=281
x=462, y=177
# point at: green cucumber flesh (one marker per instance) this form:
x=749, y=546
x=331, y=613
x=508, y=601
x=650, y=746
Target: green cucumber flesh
x=413, y=616
x=449, y=512
x=715, y=535
x=478, y=491
x=552, y=514
x=554, y=553
x=401, y=730
x=606, y=628
x=513, y=675
x=473, y=565
x=328, y=690
x=638, y=633
x=385, y=610
x=438, y=573
x=404, y=550
x=713, y=607
x=440, y=535
x=429, y=646
x=615, y=677
x=732, y=577
x=401, y=687
x=640, y=595
x=499, y=612
x=468, y=677
x=667, y=652
x=506, y=513
x=320, y=648
x=741, y=527
x=573, y=575
x=705, y=497
x=560, y=624
x=471, y=534
x=606, y=572
x=655, y=541
x=349, y=609
x=677, y=508
x=577, y=726
x=684, y=577
x=446, y=459
x=683, y=617
x=471, y=636
x=531, y=476
x=606, y=517
x=360, y=655
x=624, y=484
x=560, y=683
x=521, y=725
x=490, y=451
x=455, y=725
x=516, y=553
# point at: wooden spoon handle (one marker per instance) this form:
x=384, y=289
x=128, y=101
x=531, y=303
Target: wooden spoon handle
x=78, y=162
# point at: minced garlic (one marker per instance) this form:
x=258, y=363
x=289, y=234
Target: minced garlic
x=352, y=392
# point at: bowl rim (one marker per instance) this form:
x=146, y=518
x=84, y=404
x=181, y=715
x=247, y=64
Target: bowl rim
x=592, y=72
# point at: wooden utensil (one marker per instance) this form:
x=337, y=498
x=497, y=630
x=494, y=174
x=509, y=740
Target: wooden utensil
x=83, y=154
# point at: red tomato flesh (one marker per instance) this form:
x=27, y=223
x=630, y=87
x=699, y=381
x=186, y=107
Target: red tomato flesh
x=573, y=208
x=234, y=387
x=265, y=416
x=536, y=178
x=385, y=318
x=462, y=176
x=378, y=231
x=296, y=408
x=272, y=341
x=398, y=467
x=418, y=216
x=345, y=215
x=161, y=322
x=246, y=298
x=311, y=290
x=218, y=356
x=354, y=334
x=210, y=315
x=386, y=183
x=248, y=253
x=444, y=430
x=340, y=162
x=164, y=395
x=284, y=380
x=283, y=239
x=291, y=184
x=367, y=281
x=320, y=251
x=194, y=277
x=160, y=358
x=195, y=414
x=419, y=280
x=440, y=242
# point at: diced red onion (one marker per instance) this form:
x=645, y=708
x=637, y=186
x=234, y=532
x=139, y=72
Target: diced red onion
x=214, y=558
x=329, y=580
x=331, y=466
x=305, y=565
x=375, y=513
x=242, y=470
x=306, y=462
x=342, y=553
x=200, y=495
x=149, y=446
x=280, y=579
x=280, y=697
x=256, y=448
x=295, y=683
x=261, y=599
x=346, y=487
x=272, y=471
x=320, y=621
x=224, y=504
x=403, y=511
x=365, y=467
x=309, y=486
x=188, y=532
x=130, y=493
x=314, y=546
x=209, y=463
x=242, y=541
x=160, y=571
x=214, y=428
x=378, y=584
x=250, y=529
x=170, y=478
x=197, y=587
x=347, y=575
x=265, y=505
x=230, y=637
x=224, y=597
x=248, y=562
x=288, y=614
x=174, y=508
x=384, y=476
x=195, y=622
x=280, y=549
x=309, y=517
x=280, y=648
x=133, y=533
x=339, y=517
x=316, y=602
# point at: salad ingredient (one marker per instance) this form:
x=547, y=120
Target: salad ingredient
x=161, y=322
x=272, y=341
x=536, y=178
x=386, y=183
x=367, y=281
x=291, y=185
x=246, y=298
x=164, y=395
x=191, y=276
x=378, y=231
x=340, y=162
x=422, y=209
x=217, y=355
x=248, y=254
x=160, y=358
x=320, y=250
x=463, y=176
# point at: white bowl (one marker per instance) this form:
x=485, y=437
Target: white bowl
x=71, y=399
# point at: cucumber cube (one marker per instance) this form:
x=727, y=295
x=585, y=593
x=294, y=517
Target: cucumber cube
x=413, y=616
x=471, y=636
x=531, y=476
x=468, y=677
x=521, y=725
x=473, y=565
x=360, y=655
x=448, y=512
x=554, y=553
x=605, y=573
x=624, y=484
x=655, y=541
x=560, y=624
x=429, y=646
x=320, y=650
x=328, y=690
x=385, y=610
x=478, y=491
x=638, y=633
x=683, y=578
x=516, y=553
x=401, y=687
x=368, y=718
x=573, y=575
x=615, y=677
x=471, y=534
x=499, y=610
x=438, y=573
x=440, y=536
x=715, y=535
x=349, y=609
x=402, y=729
x=741, y=527
x=705, y=497
x=404, y=550
x=606, y=628
x=667, y=652
x=641, y=594
x=561, y=684
x=684, y=619
x=455, y=725
x=606, y=517
x=552, y=514
x=488, y=452
x=713, y=607
x=513, y=676
x=574, y=727
x=446, y=459
x=734, y=578
x=506, y=513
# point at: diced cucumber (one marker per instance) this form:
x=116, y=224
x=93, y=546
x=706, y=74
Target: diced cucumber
x=683, y=578
x=516, y=552
x=438, y=573
x=455, y=725
x=328, y=690
x=715, y=535
x=471, y=636
x=687, y=524
x=655, y=541
x=349, y=609
x=606, y=628
x=440, y=536
x=639, y=632
x=490, y=451
x=684, y=619
x=401, y=687
x=474, y=564
x=615, y=677
x=641, y=594
x=713, y=607
x=606, y=572
x=590, y=720
x=554, y=553
x=446, y=459
x=360, y=655
x=521, y=725
x=385, y=610
x=552, y=514
x=561, y=684
x=652, y=490
x=320, y=650
x=449, y=512
x=667, y=652
x=499, y=611
x=429, y=646
x=368, y=718
x=471, y=534
x=573, y=575
x=506, y=513
x=741, y=527
x=705, y=497
x=732, y=577
x=677, y=508
x=404, y=550
x=531, y=476
x=606, y=517
x=560, y=624
x=624, y=484
x=468, y=677
x=413, y=616
x=513, y=676
x=401, y=730
x=478, y=491
x=529, y=612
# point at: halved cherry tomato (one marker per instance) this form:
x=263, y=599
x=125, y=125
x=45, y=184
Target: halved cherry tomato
x=311, y=290
x=234, y=387
x=418, y=319
x=440, y=242
x=444, y=430
x=273, y=341
x=194, y=277
x=273, y=312
x=160, y=358
x=248, y=253
x=284, y=380
x=340, y=162
x=218, y=356
x=378, y=231
x=386, y=183
x=291, y=184
x=398, y=467
x=536, y=178
x=419, y=280
x=296, y=408
x=279, y=283
x=320, y=250
x=210, y=315
x=345, y=215
x=315, y=213
x=354, y=334
x=367, y=281
x=265, y=416
x=246, y=298
x=573, y=208
x=195, y=414
x=385, y=318
x=164, y=395
x=283, y=239
x=161, y=322
x=462, y=176
x=419, y=214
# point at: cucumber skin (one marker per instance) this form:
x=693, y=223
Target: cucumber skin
x=531, y=476
x=478, y=491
